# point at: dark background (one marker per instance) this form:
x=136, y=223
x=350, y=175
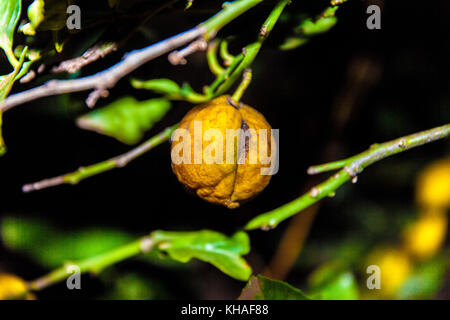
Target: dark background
x=331, y=98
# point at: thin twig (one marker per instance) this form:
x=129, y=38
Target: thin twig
x=351, y=167
x=116, y=162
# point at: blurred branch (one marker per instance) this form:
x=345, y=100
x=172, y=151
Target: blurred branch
x=351, y=167
x=224, y=252
x=95, y=264
x=92, y=170
x=104, y=80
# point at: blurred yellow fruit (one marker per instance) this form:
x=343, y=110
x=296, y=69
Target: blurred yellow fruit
x=12, y=287
x=426, y=235
x=433, y=185
x=217, y=173
x=395, y=267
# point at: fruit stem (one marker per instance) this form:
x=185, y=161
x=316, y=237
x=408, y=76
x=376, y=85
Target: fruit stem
x=246, y=79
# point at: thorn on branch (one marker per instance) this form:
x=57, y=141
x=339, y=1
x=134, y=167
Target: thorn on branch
x=263, y=31
x=28, y=77
x=314, y=192
x=95, y=95
x=41, y=68
x=178, y=57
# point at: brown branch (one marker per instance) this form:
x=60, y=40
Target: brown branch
x=91, y=55
x=104, y=80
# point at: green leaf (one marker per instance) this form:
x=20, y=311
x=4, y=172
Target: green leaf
x=223, y=252
x=326, y=21
x=309, y=27
x=425, y=281
x=51, y=247
x=133, y=286
x=262, y=288
x=331, y=282
x=46, y=15
x=9, y=16
x=162, y=86
x=125, y=119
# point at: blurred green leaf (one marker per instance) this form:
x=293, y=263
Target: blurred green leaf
x=9, y=16
x=46, y=15
x=330, y=282
x=51, y=247
x=262, y=288
x=125, y=119
x=134, y=286
x=425, y=281
x=221, y=251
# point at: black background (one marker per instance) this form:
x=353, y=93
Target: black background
x=295, y=90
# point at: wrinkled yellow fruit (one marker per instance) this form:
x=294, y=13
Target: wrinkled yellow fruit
x=395, y=267
x=433, y=185
x=214, y=172
x=12, y=287
x=426, y=235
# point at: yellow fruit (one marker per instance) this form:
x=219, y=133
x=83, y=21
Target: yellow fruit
x=395, y=268
x=433, y=185
x=12, y=287
x=212, y=164
x=426, y=235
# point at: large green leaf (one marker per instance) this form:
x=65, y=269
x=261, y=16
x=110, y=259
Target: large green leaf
x=223, y=252
x=9, y=16
x=125, y=119
x=262, y=288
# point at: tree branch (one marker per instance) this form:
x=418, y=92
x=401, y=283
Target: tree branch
x=92, y=170
x=102, y=81
x=351, y=167
x=95, y=264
